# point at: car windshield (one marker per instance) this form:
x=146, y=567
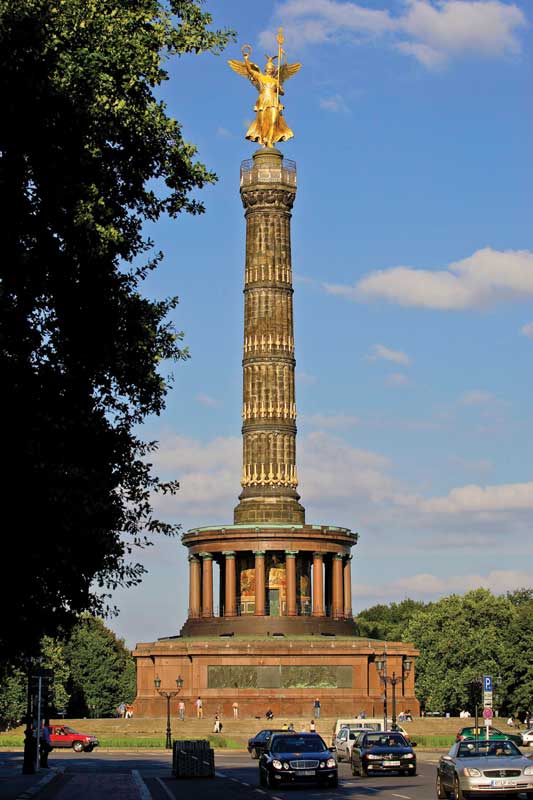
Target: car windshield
x=296, y=744
x=480, y=749
x=385, y=740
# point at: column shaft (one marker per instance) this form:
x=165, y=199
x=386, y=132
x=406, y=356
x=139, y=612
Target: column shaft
x=230, y=599
x=259, y=583
x=347, y=587
x=290, y=567
x=194, y=587
x=337, y=586
x=207, y=584
x=318, y=586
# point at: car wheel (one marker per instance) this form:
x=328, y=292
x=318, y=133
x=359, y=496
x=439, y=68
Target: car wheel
x=262, y=781
x=77, y=747
x=255, y=752
x=458, y=792
x=362, y=771
x=89, y=749
x=354, y=771
x=441, y=791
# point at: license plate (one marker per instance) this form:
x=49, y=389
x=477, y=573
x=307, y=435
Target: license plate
x=392, y=763
x=308, y=772
x=503, y=782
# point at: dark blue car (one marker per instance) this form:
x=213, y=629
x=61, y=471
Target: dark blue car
x=382, y=752
x=257, y=743
x=297, y=758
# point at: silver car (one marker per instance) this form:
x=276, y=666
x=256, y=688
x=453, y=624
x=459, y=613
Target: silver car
x=484, y=767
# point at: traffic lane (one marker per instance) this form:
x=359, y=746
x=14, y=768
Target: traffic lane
x=237, y=777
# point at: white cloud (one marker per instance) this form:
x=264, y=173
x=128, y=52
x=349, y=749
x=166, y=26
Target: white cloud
x=331, y=422
x=472, y=465
x=527, y=330
x=223, y=133
x=397, y=379
x=431, y=31
x=426, y=585
x=484, y=279
x=336, y=103
x=474, y=499
x=476, y=397
x=305, y=379
x=386, y=353
x=206, y=400
x=335, y=475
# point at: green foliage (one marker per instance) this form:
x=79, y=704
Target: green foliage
x=102, y=670
x=461, y=638
x=87, y=156
x=12, y=698
x=388, y=623
x=55, y=659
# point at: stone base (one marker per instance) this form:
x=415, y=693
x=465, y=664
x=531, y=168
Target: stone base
x=288, y=627
x=285, y=675
x=255, y=510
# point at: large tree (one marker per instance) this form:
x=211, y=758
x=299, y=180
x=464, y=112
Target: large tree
x=87, y=156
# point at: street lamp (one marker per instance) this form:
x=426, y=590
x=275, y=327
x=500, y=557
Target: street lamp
x=393, y=680
x=169, y=696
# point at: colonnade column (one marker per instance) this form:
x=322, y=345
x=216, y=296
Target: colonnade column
x=337, y=610
x=290, y=567
x=347, y=587
x=318, y=586
x=259, y=583
x=230, y=594
x=194, y=587
x=207, y=584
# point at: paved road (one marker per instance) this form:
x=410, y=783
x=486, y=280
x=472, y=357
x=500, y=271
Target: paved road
x=145, y=775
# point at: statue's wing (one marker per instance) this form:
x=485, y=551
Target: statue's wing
x=240, y=67
x=286, y=71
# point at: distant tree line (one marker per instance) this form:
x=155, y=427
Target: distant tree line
x=93, y=672
x=461, y=638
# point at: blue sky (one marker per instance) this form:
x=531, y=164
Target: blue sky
x=413, y=262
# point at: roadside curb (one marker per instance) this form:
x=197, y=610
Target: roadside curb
x=55, y=772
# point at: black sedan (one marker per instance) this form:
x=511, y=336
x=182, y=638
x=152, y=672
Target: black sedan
x=382, y=752
x=297, y=758
x=256, y=744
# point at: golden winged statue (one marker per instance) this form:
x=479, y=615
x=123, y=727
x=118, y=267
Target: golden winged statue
x=269, y=125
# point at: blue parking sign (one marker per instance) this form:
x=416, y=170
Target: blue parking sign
x=487, y=683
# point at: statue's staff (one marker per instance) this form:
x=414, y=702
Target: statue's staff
x=280, y=39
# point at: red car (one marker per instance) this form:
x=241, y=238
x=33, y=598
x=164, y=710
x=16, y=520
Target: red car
x=63, y=736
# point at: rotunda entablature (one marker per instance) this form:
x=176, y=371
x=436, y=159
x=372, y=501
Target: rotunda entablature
x=325, y=539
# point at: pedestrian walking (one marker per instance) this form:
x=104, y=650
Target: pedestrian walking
x=312, y=726
x=45, y=745
x=181, y=710
x=217, y=727
x=317, y=708
x=199, y=708
x=235, y=707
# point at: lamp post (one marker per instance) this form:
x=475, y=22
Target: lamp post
x=169, y=696
x=393, y=680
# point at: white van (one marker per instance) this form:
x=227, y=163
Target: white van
x=368, y=724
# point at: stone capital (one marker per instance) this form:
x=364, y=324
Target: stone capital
x=317, y=555
x=337, y=556
x=260, y=553
x=229, y=553
x=291, y=553
x=206, y=556
x=193, y=559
